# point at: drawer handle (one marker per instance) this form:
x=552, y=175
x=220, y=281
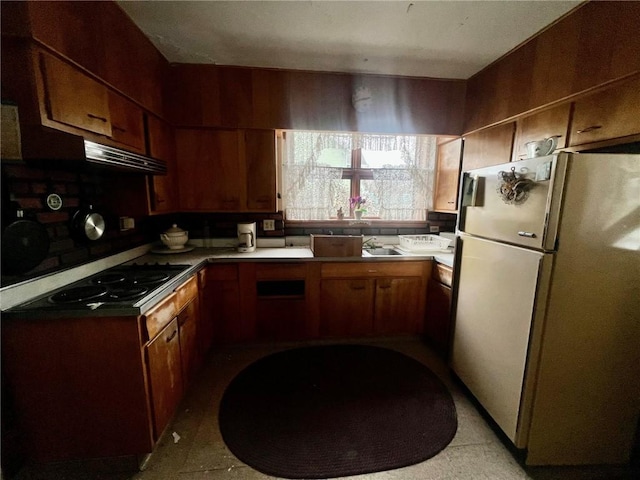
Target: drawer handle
x=357, y=287
x=589, y=129
x=175, y=332
x=96, y=117
x=116, y=127
x=451, y=202
x=384, y=286
x=372, y=271
x=527, y=234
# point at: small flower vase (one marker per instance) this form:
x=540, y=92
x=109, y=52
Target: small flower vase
x=358, y=214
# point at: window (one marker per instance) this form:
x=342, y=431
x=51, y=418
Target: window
x=322, y=170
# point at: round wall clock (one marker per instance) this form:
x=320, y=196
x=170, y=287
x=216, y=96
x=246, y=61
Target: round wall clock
x=362, y=99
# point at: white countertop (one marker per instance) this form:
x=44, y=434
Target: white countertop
x=13, y=295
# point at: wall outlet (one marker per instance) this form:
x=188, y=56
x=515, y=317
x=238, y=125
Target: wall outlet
x=434, y=228
x=127, y=223
x=268, y=225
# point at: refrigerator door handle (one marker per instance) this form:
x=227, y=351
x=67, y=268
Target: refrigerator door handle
x=527, y=234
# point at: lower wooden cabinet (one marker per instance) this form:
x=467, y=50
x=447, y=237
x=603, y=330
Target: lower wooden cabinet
x=399, y=305
x=438, y=313
x=373, y=298
x=165, y=375
x=346, y=307
x=190, y=354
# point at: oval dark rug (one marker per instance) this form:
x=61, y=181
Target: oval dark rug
x=333, y=411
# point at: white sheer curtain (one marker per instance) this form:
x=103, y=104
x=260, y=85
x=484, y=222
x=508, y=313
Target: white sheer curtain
x=313, y=188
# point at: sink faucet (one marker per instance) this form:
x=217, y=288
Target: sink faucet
x=369, y=243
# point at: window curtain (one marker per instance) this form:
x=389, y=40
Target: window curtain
x=309, y=186
x=401, y=192
x=406, y=193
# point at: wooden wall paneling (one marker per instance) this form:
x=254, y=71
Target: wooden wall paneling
x=547, y=123
x=73, y=30
x=270, y=98
x=595, y=44
x=236, y=97
x=192, y=95
x=132, y=64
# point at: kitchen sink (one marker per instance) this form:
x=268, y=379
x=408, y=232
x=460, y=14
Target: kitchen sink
x=376, y=252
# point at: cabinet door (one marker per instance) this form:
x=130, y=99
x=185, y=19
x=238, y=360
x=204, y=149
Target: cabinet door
x=553, y=122
x=165, y=375
x=260, y=158
x=448, y=173
x=210, y=173
x=73, y=98
x=189, y=352
x=398, y=306
x=491, y=146
x=437, y=324
x=346, y=307
x=162, y=188
x=605, y=115
x=127, y=125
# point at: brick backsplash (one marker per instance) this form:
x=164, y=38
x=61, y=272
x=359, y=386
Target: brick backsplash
x=29, y=185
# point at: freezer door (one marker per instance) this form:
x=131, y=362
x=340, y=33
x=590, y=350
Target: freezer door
x=498, y=324
x=516, y=202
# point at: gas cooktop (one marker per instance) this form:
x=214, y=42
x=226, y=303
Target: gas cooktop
x=124, y=289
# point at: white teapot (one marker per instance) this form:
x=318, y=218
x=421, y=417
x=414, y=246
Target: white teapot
x=175, y=237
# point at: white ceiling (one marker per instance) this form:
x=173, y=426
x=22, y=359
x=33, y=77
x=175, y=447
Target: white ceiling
x=440, y=39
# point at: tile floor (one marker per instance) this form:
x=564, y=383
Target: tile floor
x=192, y=447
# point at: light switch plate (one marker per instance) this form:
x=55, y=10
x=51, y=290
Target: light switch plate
x=268, y=225
x=434, y=228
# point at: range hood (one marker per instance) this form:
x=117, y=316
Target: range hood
x=121, y=159
x=49, y=146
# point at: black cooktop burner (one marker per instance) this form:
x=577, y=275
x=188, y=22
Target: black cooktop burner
x=109, y=279
x=148, y=278
x=79, y=294
x=120, y=294
x=122, y=287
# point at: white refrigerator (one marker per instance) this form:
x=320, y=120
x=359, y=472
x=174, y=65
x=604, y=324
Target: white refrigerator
x=547, y=303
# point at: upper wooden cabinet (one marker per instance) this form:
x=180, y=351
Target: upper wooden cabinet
x=595, y=44
x=73, y=98
x=260, y=157
x=553, y=122
x=97, y=36
x=491, y=146
x=226, y=170
x=127, y=122
x=608, y=114
x=447, y=175
x=163, y=196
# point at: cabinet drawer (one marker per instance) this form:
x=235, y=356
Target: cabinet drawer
x=277, y=271
x=442, y=274
x=371, y=269
x=187, y=292
x=161, y=315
